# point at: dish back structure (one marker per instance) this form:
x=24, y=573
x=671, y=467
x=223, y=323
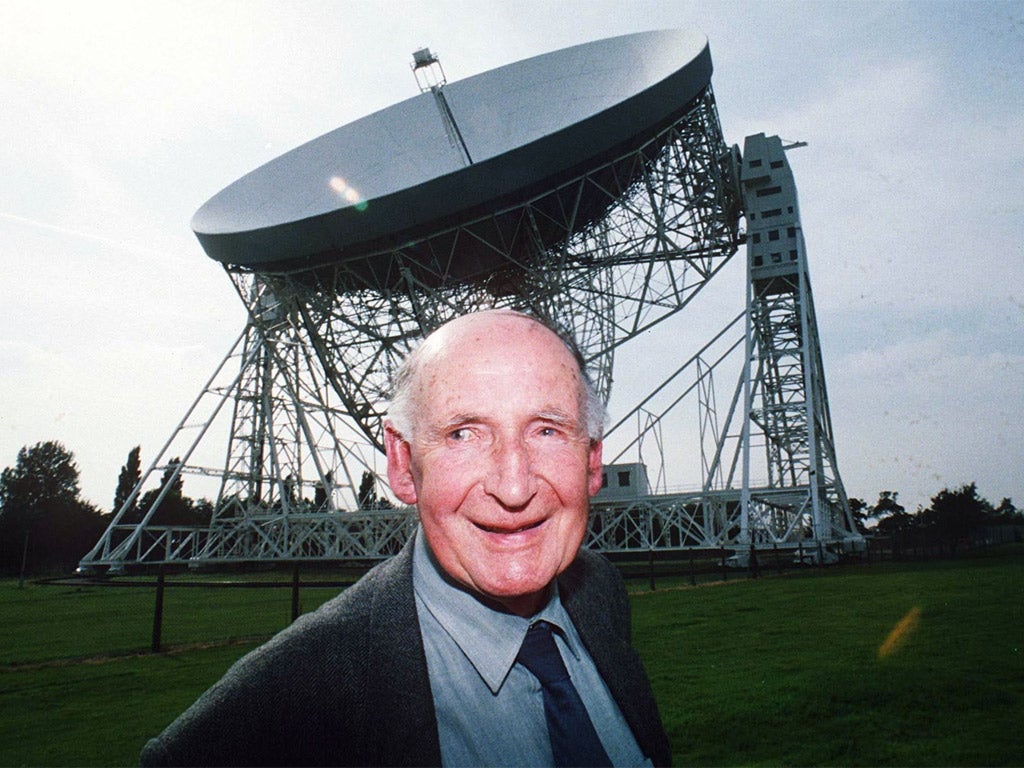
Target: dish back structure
x=608, y=249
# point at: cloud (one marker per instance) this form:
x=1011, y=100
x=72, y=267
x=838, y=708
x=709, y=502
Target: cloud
x=919, y=414
x=100, y=401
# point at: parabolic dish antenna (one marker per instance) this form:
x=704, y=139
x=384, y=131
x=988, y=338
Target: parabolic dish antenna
x=591, y=186
x=480, y=146
x=583, y=185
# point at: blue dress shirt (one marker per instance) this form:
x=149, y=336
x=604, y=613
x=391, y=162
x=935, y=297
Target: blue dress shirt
x=490, y=711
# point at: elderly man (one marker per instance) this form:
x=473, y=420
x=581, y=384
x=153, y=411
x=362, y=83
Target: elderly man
x=492, y=638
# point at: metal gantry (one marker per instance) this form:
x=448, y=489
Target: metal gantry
x=777, y=427
x=608, y=255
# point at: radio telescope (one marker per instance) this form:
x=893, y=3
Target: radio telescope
x=592, y=186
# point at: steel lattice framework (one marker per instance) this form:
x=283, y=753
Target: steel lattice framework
x=607, y=256
x=784, y=379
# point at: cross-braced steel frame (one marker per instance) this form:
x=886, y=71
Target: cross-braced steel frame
x=607, y=255
x=784, y=377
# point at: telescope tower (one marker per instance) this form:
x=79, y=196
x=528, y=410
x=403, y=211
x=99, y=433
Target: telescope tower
x=591, y=186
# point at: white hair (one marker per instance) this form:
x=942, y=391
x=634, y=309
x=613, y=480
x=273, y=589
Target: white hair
x=402, y=407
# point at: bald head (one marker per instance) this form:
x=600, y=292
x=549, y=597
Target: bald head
x=473, y=335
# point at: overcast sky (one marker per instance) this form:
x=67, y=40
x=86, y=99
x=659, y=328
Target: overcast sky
x=119, y=120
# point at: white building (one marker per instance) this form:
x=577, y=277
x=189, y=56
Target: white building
x=623, y=481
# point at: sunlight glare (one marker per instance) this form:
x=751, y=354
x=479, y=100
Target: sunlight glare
x=899, y=633
x=349, y=194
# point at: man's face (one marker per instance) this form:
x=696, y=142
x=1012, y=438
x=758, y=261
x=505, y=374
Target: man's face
x=499, y=464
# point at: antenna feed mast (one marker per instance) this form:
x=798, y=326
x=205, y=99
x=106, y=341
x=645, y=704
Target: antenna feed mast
x=427, y=69
x=428, y=65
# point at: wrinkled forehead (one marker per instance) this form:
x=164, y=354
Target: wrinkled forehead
x=485, y=330
x=499, y=346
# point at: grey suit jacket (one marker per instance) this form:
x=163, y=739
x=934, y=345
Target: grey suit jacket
x=348, y=684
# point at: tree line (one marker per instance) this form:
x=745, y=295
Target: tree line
x=46, y=527
x=953, y=521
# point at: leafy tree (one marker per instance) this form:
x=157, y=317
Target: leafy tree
x=367, y=494
x=321, y=494
x=954, y=515
x=175, y=508
x=131, y=473
x=202, y=511
x=892, y=517
x=1008, y=513
x=860, y=512
x=172, y=477
x=887, y=504
x=288, y=495
x=45, y=472
x=44, y=525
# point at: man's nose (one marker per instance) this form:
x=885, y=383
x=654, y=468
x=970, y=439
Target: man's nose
x=510, y=478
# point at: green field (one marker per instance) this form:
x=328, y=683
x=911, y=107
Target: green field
x=786, y=670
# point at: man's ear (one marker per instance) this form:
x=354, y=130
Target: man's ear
x=399, y=456
x=595, y=468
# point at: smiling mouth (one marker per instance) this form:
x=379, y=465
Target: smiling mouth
x=500, y=529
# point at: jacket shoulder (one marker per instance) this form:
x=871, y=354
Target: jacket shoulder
x=594, y=593
x=319, y=691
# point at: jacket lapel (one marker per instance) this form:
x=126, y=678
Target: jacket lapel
x=595, y=599
x=407, y=724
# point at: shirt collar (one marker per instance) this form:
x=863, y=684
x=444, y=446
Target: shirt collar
x=489, y=638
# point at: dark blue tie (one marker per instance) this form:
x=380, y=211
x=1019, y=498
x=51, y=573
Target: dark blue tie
x=574, y=741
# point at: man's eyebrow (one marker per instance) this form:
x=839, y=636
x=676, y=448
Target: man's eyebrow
x=558, y=417
x=457, y=420
x=554, y=416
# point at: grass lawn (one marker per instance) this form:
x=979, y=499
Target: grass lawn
x=796, y=670
x=791, y=670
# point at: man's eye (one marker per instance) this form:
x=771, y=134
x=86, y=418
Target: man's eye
x=459, y=435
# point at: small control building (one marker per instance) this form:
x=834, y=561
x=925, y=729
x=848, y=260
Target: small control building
x=623, y=481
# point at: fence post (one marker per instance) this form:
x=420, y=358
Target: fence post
x=24, y=562
x=158, y=612
x=295, y=593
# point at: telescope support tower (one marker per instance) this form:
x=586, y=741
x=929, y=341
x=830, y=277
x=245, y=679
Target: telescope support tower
x=308, y=380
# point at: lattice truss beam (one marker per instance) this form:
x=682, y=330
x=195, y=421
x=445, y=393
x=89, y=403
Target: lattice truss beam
x=608, y=255
x=784, y=377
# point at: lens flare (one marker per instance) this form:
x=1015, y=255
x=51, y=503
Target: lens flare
x=899, y=633
x=348, y=193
